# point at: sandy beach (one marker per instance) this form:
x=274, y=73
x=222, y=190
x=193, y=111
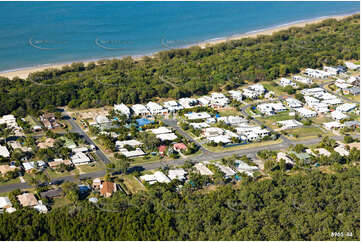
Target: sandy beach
x=24, y=72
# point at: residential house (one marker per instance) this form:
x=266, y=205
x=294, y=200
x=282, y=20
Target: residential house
x=285, y=157
x=172, y=106
x=346, y=107
x=27, y=200
x=49, y=121
x=252, y=133
x=132, y=153
x=9, y=120
x=56, y=162
x=156, y=109
x=107, y=188
x=204, y=101
x=332, y=70
x=352, y=66
x=352, y=90
x=48, y=143
x=203, y=170
x=5, y=202
x=123, y=109
x=219, y=100
x=96, y=183
x=306, y=113
x=228, y=172
x=140, y=110
x=167, y=137
x=177, y=174
x=243, y=167
x=188, y=102
x=271, y=108
x=236, y=95
x=290, y=124
x=199, y=125
x=6, y=168
x=162, y=150
x=254, y=91
x=157, y=176
x=179, y=147
x=342, y=151
x=317, y=73
x=102, y=119
x=161, y=130
x=79, y=159
x=337, y=115
x=319, y=151
x=302, y=79
x=195, y=116
x=4, y=152
x=294, y=103
x=332, y=125
x=133, y=143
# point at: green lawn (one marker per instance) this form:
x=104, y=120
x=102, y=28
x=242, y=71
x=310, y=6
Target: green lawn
x=273, y=87
x=272, y=120
x=11, y=181
x=229, y=112
x=131, y=183
x=98, y=165
x=305, y=132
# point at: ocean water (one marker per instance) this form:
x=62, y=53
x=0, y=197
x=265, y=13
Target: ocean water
x=38, y=33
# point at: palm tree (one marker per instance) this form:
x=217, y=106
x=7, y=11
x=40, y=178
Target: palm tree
x=8, y=132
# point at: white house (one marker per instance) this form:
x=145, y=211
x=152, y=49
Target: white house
x=337, y=115
x=157, y=176
x=79, y=159
x=254, y=91
x=228, y=172
x=219, y=139
x=9, y=120
x=161, y=130
x=285, y=157
x=243, y=167
x=332, y=70
x=172, y=106
x=342, y=151
x=332, y=125
x=133, y=143
x=140, y=110
x=213, y=131
x=199, y=125
x=156, y=109
x=102, y=119
x=312, y=91
x=317, y=73
x=320, y=107
x=132, y=153
x=302, y=79
x=188, y=102
x=167, y=137
x=123, y=109
x=177, y=174
x=195, y=116
x=252, y=133
x=271, y=108
x=306, y=113
x=219, y=100
x=4, y=152
x=203, y=170
x=294, y=103
x=290, y=124
x=346, y=107
x=287, y=82
x=237, y=95
x=204, y=101
x=5, y=202
x=351, y=65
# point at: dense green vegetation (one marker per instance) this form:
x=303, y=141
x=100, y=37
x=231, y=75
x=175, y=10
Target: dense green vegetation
x=190, y=71
x=309, y=205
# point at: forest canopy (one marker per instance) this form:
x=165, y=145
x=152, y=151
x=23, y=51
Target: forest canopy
x=184, y=72
x=304, y=206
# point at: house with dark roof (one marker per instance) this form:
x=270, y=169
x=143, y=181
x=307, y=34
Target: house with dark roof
x=53, y=193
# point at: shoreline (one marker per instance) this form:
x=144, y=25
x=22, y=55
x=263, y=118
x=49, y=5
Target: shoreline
x=25, y=71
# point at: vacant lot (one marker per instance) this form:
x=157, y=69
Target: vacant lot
x=132, y=184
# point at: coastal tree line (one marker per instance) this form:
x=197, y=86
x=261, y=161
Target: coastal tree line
x=183, y=72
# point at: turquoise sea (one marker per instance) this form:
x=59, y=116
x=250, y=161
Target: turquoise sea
x=37, y=33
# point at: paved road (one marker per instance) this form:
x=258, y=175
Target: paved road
x=78, y=130
x=173, y=123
